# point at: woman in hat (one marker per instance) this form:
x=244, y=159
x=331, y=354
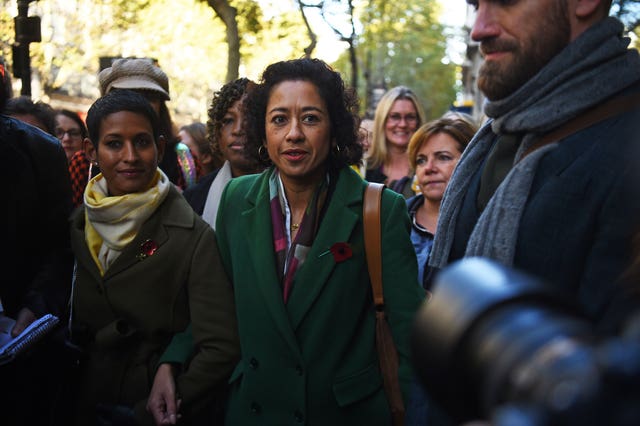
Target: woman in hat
x=145, y=77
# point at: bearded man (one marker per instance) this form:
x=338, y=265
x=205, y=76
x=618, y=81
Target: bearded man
x=545, y=186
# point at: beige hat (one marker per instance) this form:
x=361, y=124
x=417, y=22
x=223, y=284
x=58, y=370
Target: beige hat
x=135, y=74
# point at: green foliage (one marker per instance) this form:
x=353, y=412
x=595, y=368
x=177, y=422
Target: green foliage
x=250, y=18
x=7, y=33
x=405, y=46
x=283, y=36
x=188, y=40
x=189, y=44
x=127, y=12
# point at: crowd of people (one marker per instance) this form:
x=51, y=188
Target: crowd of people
x=215, y=273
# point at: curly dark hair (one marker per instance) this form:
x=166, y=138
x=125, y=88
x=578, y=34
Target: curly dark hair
x=342, y=105
x=222, y=100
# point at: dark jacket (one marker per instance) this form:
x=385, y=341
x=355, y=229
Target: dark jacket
x=575, y=232
x=196, y=195
x=401, y=186
x=36, y=202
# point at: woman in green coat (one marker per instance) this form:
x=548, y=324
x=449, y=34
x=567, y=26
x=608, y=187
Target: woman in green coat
x=147, y=266
x=291, y=240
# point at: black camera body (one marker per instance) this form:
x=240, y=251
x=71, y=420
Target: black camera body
x=495, y=344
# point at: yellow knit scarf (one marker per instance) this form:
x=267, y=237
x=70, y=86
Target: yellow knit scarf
x=113, y=222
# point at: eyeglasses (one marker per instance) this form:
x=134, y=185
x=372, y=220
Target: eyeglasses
x=409, y=118
x=73, y=133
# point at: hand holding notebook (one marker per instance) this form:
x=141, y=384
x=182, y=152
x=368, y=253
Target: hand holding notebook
x=10, y=347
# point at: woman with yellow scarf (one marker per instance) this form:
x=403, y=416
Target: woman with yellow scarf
x=147, y=266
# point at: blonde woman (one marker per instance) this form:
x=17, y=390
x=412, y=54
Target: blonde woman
x=398, y=115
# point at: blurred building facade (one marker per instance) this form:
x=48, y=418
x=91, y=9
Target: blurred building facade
x=472, y=98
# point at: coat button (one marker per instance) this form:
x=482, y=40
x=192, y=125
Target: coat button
x=298, y=416
x=255, y=408
x=253, y=363
x=299, y=370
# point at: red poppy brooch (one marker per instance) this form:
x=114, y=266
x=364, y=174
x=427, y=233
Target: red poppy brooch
x=340, y=252
x=148, y=248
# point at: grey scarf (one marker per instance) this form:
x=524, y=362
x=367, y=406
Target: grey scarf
x=589, y=70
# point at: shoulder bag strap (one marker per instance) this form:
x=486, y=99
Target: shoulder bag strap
x=387, y=353
x=607, y=109
x=372, y=240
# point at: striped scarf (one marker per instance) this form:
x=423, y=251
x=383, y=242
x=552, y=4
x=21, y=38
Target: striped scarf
x=290, y=255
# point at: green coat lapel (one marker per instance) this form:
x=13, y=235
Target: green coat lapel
x=337, y=226
x=257, y=220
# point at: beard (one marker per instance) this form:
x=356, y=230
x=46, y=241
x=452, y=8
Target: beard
x=499, y=79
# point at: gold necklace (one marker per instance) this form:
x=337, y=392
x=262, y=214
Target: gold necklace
x=295, y=226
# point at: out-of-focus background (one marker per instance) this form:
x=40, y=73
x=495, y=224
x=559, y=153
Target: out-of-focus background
x=55, y=48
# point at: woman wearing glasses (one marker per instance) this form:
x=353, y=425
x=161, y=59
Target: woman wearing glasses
x=398, y=115
x=71, y=131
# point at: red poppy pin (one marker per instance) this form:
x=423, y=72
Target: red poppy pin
x=148, y=248
x=340, y=252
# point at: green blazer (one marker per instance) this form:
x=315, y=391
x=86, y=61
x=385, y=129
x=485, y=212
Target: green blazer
x=130, y=314
x=313, y=361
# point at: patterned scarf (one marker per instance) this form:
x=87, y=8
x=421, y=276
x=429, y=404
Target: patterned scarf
x=79, y=173
x=113, y=222
x=594, y=67
x=290, y=255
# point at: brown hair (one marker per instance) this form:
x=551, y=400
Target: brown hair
x=459, y=126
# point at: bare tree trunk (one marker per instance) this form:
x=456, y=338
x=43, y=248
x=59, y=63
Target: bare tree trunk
x=350, y=39
x=228, y=13
x=354, y=66
x=308, y=51
x=352, y=50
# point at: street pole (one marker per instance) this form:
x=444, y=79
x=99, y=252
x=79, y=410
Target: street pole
x=27, y=31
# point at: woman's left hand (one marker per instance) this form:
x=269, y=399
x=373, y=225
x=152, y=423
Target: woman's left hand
x=162, y=403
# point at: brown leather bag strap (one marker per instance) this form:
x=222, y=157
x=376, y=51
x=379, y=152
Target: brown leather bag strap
x=607, y=109
x=372, y=240
x=387, y=353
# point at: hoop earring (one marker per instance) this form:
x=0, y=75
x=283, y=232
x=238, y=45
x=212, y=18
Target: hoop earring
x=336, y=150
x=263, y=155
